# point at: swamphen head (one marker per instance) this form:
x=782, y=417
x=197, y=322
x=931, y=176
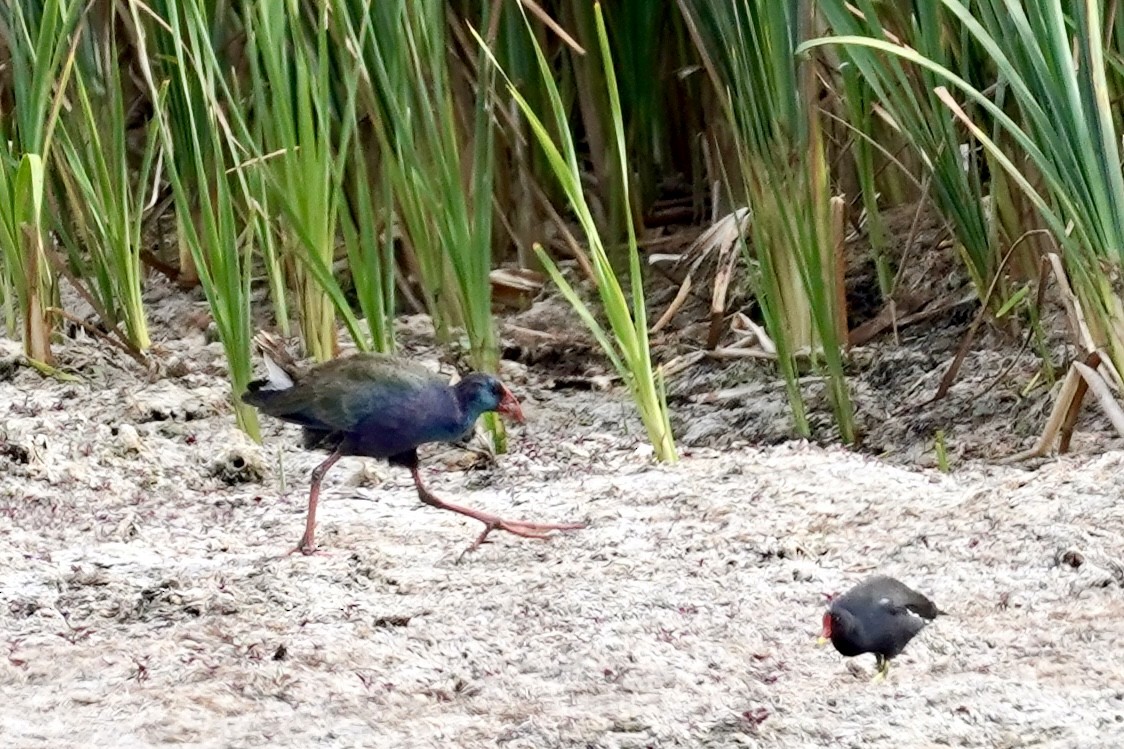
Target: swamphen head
x=480, y=393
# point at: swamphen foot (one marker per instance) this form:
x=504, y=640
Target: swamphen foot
x=491, y=522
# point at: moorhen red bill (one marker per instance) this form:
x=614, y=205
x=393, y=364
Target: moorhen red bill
x=879, y=615
x=381, y=406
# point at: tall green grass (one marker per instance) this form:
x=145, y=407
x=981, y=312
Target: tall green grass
x=105, y=189
x=767, y=96
x=40, y=39
x=310, y=164
x=367, y=226
x=908, y=98
x=208, y=183
x=305, y=136
x=376, y=140
x=440, y=181
x=1063, y=143
x=625, y=341
x=158, y=25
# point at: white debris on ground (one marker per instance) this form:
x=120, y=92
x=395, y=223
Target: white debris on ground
x=145, y=597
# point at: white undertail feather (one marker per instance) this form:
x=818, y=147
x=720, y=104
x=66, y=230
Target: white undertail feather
x=279, y=379
x=282, y=371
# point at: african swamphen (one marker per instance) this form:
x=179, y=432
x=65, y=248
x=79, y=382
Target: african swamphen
x=879, y=615
x=380, y=406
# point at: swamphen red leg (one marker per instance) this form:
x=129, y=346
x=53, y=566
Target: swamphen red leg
x=307, y=545
x=491, y=522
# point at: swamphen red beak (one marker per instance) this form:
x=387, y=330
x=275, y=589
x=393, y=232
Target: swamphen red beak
x=510, y=407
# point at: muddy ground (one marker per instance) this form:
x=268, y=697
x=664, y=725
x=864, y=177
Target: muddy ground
x=145, y=598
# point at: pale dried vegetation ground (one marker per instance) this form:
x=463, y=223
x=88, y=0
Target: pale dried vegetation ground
x=145, y=598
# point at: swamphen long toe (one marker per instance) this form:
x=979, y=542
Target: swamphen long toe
x=879, y=615
x=380, y=406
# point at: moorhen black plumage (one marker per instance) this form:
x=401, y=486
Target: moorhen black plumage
x=879, y=615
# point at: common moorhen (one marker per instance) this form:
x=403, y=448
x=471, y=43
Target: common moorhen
x=879, y=615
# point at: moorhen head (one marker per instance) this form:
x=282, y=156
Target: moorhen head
x=879, y=615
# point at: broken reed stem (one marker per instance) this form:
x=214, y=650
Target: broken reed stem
x=1081, y=377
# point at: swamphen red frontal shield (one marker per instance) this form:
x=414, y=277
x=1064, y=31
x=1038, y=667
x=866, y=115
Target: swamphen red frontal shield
x=380, y=406
x=879, y=615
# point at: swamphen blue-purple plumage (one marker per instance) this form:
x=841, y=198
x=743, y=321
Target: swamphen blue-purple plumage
x=380, y=406
x=879, y=615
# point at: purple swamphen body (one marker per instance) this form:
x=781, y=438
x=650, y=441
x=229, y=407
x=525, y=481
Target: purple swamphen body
x=380, y=406
x=879, y=615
